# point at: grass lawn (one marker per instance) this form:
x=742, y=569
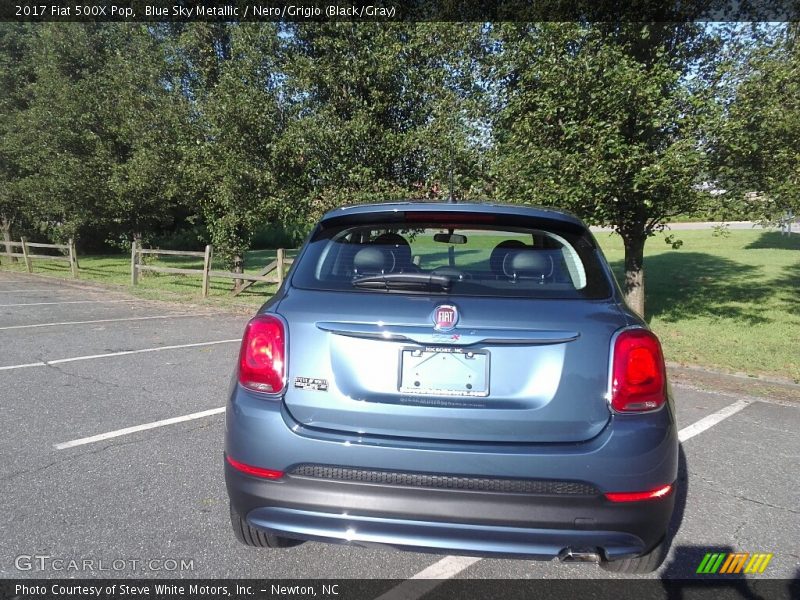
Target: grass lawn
x=116, y=269
x=724, y=302
x=727, y=302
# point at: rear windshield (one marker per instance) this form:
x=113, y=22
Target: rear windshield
x=475, y=260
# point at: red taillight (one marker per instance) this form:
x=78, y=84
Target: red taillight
x=638, y=376
x=661, y=492
x=255, y=471
x=262, y=358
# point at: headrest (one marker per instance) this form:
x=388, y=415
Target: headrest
x=500, y=252
x=371, y=260
x=390, y=239
x=529, y=262
x=397, y=244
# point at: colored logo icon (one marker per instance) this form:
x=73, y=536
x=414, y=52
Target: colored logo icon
x=731, y=563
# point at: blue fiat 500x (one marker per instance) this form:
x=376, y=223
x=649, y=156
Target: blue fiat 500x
x=458, y=378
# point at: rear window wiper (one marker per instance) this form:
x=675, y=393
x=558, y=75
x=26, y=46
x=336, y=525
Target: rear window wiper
x=405, y=281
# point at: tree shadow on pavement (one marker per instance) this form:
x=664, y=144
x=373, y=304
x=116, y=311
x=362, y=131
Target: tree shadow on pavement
x=679, y=575
x=681, y=494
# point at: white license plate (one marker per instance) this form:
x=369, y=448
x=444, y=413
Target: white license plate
x=444, y=371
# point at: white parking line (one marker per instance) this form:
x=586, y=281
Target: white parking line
x=450, y=566
x=70, y=302
x=417, y=585
x=110, y=354
x=711, y=420
x=101, y=321
x=127, y=430
x=25, y=366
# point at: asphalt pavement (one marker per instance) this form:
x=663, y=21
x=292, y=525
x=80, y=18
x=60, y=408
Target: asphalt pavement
x=98, y=467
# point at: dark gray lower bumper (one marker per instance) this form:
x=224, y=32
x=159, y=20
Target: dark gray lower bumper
x=430, y=536
x=448, y=520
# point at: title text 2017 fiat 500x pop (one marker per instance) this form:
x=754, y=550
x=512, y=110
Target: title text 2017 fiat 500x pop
x=459, y=378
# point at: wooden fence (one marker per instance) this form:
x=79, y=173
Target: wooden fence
x=206, y=272
x=71, y=255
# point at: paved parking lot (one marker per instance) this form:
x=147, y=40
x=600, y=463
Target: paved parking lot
x=82, y=369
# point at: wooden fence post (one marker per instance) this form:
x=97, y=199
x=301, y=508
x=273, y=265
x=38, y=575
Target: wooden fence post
x=206, y=269
x=134, y=263
x=280, y=258
x=25, y=255
x=73, y=260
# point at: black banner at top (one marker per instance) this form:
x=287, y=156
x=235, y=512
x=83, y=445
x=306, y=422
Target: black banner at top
x=187, y=11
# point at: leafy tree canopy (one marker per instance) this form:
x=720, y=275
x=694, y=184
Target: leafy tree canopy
x=604, y=120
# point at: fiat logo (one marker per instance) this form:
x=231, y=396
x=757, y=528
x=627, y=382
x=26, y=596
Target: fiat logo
x=445, y=317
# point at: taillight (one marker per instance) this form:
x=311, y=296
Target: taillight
x=254, y=471
x=638, y=375
x=661, y=492
x=262, y=357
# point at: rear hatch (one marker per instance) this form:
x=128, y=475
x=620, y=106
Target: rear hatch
x=544, y=382
x=461, y=323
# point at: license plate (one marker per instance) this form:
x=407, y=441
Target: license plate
x=444, y=371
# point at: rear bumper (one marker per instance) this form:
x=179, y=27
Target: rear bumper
x=464, y=522
x=630, y=455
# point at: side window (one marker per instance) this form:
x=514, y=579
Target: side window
x=336, y=262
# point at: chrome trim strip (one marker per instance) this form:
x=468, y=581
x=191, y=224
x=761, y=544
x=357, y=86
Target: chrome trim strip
x=456, y=337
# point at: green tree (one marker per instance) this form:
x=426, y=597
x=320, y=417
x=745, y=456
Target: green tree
x=454, y=137
x=144, y=119
x=15, y=79
x=759, y=144
x=95, y=146
x=606, y=120
x=383, y=111
x=233, y=82
x=63, y=158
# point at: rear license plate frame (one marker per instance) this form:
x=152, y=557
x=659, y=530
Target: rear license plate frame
x=414, y=357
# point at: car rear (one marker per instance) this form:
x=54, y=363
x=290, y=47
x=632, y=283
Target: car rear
x=457, y=378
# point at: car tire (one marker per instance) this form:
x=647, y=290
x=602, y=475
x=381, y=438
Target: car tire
x=256, y=538
x=646, y=563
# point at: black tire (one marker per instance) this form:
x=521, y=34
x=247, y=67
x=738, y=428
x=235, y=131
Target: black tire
x=646, y=563
x=256, y=538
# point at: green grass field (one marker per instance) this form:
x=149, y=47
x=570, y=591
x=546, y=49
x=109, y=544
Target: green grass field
x=731, y=303
x=116, y=269
x=727, y=302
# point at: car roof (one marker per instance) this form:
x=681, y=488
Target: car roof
x=455, y=207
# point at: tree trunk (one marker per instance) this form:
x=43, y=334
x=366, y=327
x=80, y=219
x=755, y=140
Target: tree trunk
x=5, y=224
x=633, y=286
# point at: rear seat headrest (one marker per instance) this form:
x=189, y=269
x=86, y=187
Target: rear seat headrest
x=529, y=262
x=372, y=260
x=500, y=252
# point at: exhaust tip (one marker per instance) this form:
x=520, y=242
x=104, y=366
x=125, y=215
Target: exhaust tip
x=591, y=555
